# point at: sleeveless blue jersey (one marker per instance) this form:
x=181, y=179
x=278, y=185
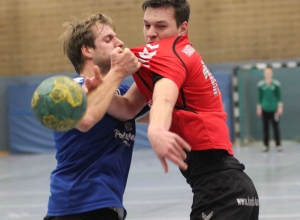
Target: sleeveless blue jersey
x=92, y=167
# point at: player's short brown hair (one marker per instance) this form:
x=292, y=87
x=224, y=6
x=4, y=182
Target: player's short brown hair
x=181, y=7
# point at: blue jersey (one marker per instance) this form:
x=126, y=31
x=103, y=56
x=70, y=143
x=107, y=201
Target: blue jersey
x=92, y=167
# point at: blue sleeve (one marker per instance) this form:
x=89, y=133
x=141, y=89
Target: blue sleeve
x=79, y=79
x=122, y=89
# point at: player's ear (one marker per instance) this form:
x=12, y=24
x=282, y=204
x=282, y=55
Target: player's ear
x=183, y=28
x=86, y=51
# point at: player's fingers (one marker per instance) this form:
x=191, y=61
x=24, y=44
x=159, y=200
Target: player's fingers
x=97, y=74
x=182, y=165
x=182, y=143
x=118, y=50
x=164, y=164
x=177, y=151
x=180, y=152
x=127, y=50
x=139, y=64
x=85, y=89
x=87, y=85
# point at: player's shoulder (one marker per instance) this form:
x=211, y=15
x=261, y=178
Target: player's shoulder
x=276, y=82
x=261, y=83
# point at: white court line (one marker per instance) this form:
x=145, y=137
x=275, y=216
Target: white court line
x=144, y=202
x=145, y=189
x=281, y=197
x=278, y=184
x=24, y=193
x=159, y=218
x=276, y=216
x=44, y=206
x=135, y=202
x=7, y=176
x=187, y=187
x=159, y=188
x=168, y=201
x=160, y=201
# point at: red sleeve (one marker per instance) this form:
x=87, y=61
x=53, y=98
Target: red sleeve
x=169, y=67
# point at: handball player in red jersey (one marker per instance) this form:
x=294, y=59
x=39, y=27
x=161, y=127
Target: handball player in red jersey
x=187, y=123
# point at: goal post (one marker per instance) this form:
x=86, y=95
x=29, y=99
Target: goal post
x=247, y=125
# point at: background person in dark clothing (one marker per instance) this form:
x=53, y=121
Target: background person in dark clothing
x=270, y=106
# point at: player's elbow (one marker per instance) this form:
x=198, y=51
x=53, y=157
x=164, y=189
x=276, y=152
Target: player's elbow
x=85, y=124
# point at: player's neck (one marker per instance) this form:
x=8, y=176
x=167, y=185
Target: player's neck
x=269, y=81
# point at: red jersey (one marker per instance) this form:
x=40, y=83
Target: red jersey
x=198, y=116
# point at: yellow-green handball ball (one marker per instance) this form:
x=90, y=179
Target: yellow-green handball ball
x=59, y=103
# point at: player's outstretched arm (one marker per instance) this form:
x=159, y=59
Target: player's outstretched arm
x=127, y=106
x=166, y=145
x=123, y=64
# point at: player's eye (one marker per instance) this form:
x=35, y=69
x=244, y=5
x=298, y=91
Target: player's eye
x=108, y=39
x=161, y=26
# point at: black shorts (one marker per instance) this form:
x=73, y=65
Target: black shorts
x=99, y=214
x=227, y=194
x=221, y=189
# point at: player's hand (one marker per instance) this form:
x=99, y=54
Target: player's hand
x=91, y=83
x=124, y=62
x=168, y=145
x=280, y=110
x=259, y=111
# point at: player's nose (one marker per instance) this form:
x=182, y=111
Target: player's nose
x=119, y=43
x=151, y=33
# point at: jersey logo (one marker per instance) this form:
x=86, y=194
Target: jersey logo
x=145, y=56
x=248, y=201
x=207, y=75
x=128, y=126
x=153, y=47
x=188, y=50
x=207, y=217
x=126, y=137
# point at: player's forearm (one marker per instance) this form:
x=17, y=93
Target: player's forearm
x=280, y=108
x=164, y=98
x=121, y=108
x=160, y=115
x=99, y=100
x=128, y=106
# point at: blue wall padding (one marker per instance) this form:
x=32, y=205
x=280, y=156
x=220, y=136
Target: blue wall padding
x=27, y=135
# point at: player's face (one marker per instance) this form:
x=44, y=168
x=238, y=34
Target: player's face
x=160, y=23
x=268, y=73
x=105, y=42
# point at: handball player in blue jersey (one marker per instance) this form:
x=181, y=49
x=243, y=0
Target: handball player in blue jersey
x=93, y=160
